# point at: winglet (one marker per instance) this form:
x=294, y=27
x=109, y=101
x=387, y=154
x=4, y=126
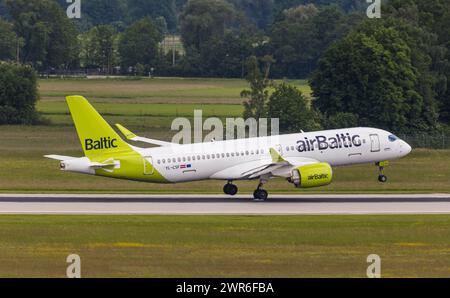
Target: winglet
x=276, y=157
x=127, y=133
x=133, y=137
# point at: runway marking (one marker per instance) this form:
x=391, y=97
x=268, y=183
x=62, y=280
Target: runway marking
x=221, y=204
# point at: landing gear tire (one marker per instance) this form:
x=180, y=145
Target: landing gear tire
x=381, y=165
x=230, y=189
x=260, y=195
x=382, y=178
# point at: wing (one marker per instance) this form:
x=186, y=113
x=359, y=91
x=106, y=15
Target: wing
x=133, y=137
x=276, y=166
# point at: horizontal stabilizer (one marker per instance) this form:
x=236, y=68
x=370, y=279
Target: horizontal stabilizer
x=60, y=157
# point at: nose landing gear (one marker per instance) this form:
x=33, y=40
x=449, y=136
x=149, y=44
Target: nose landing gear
x=382, y=178
x=381, y=165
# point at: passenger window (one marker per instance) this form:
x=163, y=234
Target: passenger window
x=208, y=156
x=184, y=159
x=218, y=155
x=159, y=161
x=292, y=148
x=179, y=159
x=287, y=148
x=164, y=161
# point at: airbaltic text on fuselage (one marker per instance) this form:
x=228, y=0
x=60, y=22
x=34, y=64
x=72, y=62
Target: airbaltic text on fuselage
x=102, y=143
x=324, y=143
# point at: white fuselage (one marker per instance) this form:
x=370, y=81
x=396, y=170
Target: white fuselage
x=216, y=160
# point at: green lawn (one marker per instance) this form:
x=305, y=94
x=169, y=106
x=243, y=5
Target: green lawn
x=225, y=246
x=147, y=103
x=22, y=149
x=203, y=246
x=148, y=106
x=159, y=90
x=142, y=115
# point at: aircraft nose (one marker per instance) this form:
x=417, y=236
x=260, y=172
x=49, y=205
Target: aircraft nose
x=406, y=148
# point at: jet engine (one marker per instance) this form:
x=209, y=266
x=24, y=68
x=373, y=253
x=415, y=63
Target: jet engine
x=311, y=175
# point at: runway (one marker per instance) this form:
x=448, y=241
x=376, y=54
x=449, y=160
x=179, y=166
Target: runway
x=221, y=204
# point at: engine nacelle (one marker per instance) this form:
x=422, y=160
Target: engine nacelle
x=312, y=175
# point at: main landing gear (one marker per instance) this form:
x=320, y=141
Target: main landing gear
x=381, y=165
x=260, y=195
x=230, y=189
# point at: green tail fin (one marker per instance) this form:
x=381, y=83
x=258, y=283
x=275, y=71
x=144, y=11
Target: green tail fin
x=97, y=137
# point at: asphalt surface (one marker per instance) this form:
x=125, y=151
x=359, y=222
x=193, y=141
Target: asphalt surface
x=221, y=204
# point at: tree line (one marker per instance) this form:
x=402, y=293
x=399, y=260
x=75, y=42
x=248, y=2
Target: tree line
x=391, y=72
x=217, y=35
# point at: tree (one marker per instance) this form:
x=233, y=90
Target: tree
x=258, y=11
x=340, y=120
x=259, y=81
x=100, y=12
x=301, y=35
x=370, y=73
x=154, y=9
x=49, y=36
x=217, y=39
x=139, y=44
x=288, y=104
x=18, y=94
x=98, y=47
x=425, y=26
x=8, y=41
x=347, y=5
x=202, y=20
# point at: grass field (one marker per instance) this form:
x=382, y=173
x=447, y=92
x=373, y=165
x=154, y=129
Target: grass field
x=28, y=171
x=173, y=90
x=148, y=103
x=203, y=246
x=149, y=107
x=225, y=246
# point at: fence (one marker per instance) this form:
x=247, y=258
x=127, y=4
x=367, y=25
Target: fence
x=436, y=141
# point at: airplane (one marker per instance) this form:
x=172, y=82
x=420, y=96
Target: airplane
x=304, y=159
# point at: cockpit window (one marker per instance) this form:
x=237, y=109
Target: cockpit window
x=393, y=138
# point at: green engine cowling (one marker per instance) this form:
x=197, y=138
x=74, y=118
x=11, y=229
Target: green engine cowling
x=312, y=175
